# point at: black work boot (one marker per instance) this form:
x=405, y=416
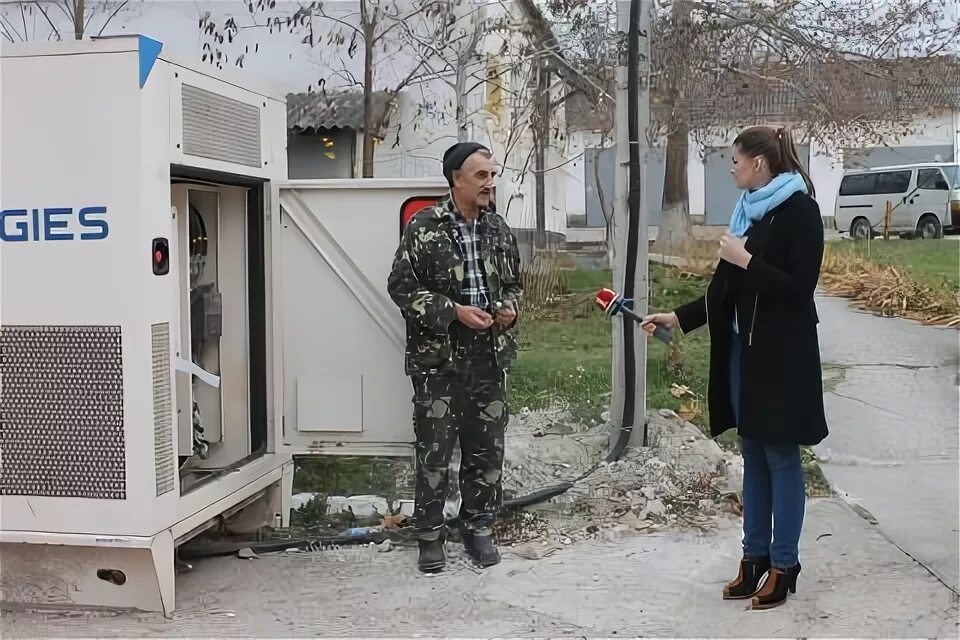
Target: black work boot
x=481, y=549
x=432, y=558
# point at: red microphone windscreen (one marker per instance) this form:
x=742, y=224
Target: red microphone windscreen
x=605, y=298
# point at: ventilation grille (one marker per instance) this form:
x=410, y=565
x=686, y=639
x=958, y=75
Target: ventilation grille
x=61, y=412
x=165, y=468
x=220, y=128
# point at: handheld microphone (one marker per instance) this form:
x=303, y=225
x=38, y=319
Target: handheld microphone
x=612, y=303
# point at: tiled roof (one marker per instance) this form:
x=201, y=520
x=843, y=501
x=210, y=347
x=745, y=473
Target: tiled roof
x=313, y=111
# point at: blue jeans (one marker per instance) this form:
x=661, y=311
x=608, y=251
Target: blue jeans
x=774, y=497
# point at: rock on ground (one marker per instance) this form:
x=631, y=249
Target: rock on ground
x=677, y=481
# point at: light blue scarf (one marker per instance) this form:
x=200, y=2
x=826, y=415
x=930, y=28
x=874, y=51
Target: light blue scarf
x=753, y=205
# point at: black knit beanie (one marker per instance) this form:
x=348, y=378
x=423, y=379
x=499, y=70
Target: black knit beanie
x=455, y=156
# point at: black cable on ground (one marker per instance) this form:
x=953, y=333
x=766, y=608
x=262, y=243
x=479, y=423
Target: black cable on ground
x=541, y=495
x=212, y=549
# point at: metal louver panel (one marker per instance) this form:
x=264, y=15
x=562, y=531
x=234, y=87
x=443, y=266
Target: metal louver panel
x=220, y=128
x=165, y=468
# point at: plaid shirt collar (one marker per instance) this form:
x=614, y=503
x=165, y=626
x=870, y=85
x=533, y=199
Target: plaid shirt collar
x=451, y=213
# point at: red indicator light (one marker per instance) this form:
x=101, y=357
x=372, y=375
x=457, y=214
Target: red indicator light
x=161, y=256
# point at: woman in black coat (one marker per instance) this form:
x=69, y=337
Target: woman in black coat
x=765, y=376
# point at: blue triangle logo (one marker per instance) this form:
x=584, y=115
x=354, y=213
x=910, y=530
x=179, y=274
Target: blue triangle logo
x=149, y=52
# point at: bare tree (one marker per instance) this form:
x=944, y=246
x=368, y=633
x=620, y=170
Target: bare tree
x=541, y=35
x=372, y=31
x=840, y=72
x=26, y=20
x=450, y=52
x=516, y=75
x=498, y=53
x=588, y=41
x=835, y=71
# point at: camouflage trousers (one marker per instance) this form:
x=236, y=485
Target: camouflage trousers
x=466, y=406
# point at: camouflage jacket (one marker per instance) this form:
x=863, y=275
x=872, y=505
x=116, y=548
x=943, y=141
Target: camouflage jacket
x=427, y=279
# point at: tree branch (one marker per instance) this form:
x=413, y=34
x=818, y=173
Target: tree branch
x=113, y=15
x=356, y=30
x=49, y=21
x=547, y=41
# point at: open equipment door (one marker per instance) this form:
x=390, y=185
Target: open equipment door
x=338, y=337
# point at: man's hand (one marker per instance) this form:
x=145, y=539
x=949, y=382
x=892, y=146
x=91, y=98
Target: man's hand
x=506, y=316
x=474, y=317
x=733, y=251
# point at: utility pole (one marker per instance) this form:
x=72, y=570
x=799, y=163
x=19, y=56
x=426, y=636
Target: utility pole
x=541, y=138
x=628, y=399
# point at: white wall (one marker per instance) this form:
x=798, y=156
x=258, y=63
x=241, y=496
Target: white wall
x=575, y=188
x=826, y=171
x=696, y=178
x=578, y=140
x=956, y=128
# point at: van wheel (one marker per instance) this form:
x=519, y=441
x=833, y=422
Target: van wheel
x=860, y=229
x=929, y=228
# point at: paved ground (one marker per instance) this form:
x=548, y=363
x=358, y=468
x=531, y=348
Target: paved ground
x=892, y=406
x=854, y=584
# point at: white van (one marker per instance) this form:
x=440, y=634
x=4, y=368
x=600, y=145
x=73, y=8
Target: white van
x=925, y=200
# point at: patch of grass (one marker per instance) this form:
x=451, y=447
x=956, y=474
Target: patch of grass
x=935, y=263
x=351, y=475
x=684, y=362
x=565, y=351
x=565, y=354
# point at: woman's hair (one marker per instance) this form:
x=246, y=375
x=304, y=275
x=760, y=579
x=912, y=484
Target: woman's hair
x=776, y=145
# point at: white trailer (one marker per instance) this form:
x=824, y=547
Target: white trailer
x=176, y=319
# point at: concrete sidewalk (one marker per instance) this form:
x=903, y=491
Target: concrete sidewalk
x=891, y=399
x=854, y=584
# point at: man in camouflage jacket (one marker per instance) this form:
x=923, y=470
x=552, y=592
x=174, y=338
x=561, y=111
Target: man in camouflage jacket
x=456, y=279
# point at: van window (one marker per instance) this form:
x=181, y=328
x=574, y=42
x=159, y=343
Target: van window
x=932, y=179
x=953, y=175
x=866, y=184
x=893, y=181
x=861, y=184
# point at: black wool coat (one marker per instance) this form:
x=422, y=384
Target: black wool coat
x=781, y=397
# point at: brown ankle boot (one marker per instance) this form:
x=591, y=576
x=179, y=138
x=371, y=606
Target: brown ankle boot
x=748, y=579
x=774, y=591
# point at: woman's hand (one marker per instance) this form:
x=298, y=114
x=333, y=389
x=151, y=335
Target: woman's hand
x=733, y=251
x=665, y=320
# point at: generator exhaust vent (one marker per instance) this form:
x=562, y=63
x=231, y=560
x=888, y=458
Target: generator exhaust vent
x=220, y=128
x=165, y=467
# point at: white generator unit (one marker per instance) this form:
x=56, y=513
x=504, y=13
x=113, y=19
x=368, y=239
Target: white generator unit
x=176, y=319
